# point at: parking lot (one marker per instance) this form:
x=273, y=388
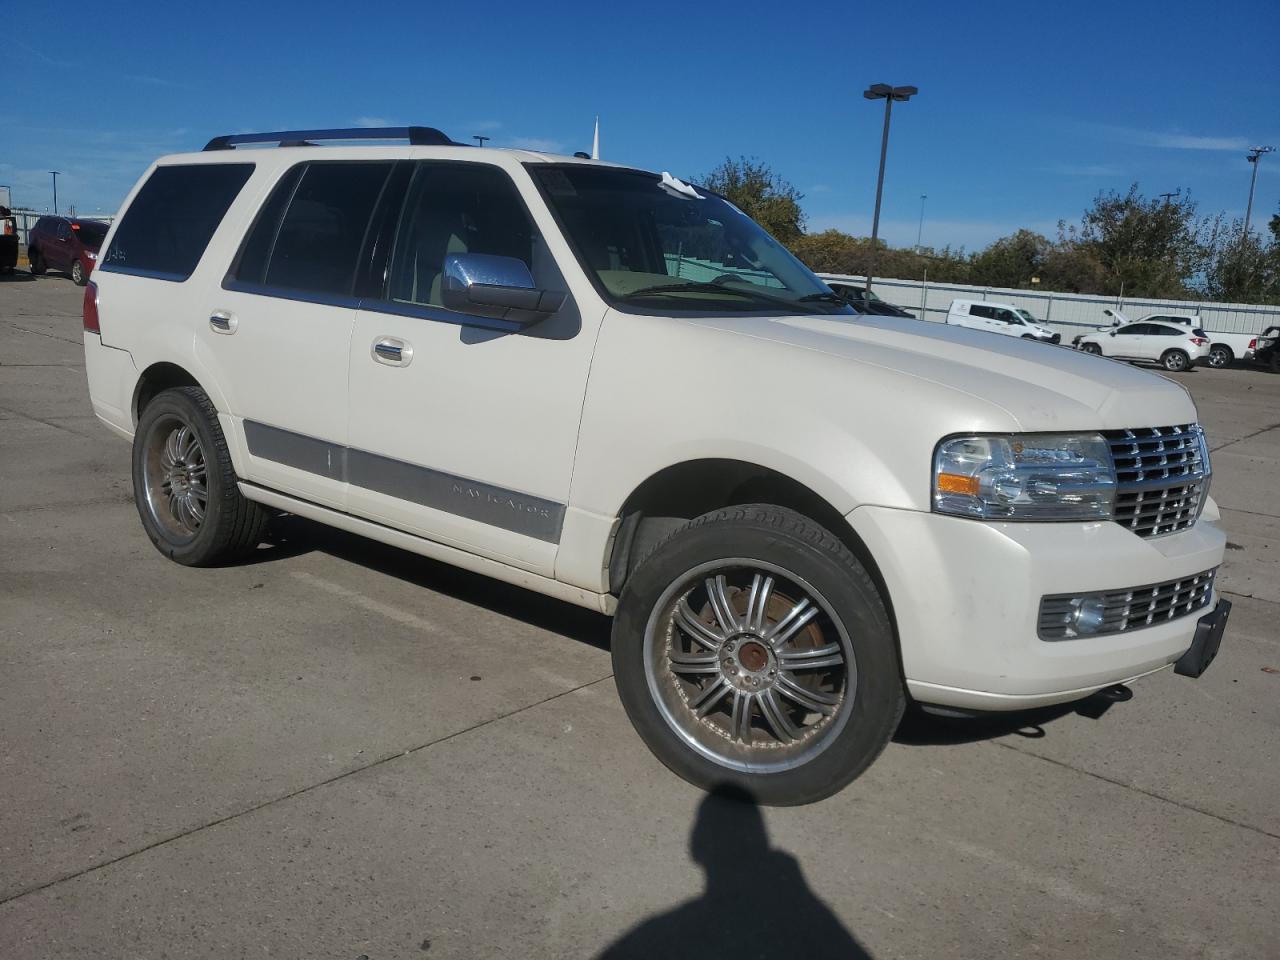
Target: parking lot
x=341, y=750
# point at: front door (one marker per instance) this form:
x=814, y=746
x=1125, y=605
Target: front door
x=463, y=429
x=279, y=333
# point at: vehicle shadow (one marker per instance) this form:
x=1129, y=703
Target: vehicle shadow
x=291, y=536
x=920, y=729
x=15, y=276
x=756, y=902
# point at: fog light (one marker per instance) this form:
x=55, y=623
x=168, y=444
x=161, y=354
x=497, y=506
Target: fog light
x=1086, y=616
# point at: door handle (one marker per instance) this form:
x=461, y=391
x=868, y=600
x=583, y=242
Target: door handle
x=222, y=322
x=392, y=351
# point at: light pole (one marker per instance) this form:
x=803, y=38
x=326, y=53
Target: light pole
x=1255, y=154
x=887, y=93
x=920, y=229
x=55, y=191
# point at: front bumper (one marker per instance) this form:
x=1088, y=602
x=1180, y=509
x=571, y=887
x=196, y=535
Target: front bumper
x=966, y=598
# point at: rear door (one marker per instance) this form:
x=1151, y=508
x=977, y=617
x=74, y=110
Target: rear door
x=280, y=328
x=58, y=253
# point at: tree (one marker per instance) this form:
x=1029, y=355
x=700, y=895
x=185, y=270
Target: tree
x=1242, y=267
x=1147, y=247
x=1010, y=261
x=755, y=189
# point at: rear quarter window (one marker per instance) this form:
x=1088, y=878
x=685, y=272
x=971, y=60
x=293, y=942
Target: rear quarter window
x=166, y=229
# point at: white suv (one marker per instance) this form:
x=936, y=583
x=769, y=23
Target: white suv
x=614, y=388
x=1174, y=347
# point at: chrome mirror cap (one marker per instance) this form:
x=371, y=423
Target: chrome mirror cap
x=493, y=286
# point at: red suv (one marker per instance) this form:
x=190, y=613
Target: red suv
x=59, y=243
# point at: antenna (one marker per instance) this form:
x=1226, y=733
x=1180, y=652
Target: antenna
x=595, y=141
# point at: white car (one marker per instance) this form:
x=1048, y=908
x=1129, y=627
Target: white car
x=1224, y=348
x=614, y=388
x=1002, y=318
x=1173, y=346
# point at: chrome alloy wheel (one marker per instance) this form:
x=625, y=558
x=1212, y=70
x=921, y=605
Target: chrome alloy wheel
x=175, y=478
x=748, y=664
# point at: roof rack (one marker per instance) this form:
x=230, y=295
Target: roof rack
x=417, y=136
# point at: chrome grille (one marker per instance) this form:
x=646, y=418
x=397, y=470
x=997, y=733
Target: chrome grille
x=1129, y=609
x=1162, y=477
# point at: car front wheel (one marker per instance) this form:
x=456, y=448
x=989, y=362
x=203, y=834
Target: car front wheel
x=752, y=649
x=1092, y=348
x=1175, y=360
x=35, y=263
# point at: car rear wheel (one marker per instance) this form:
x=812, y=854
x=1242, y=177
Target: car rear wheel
x=184, y=485
x=1092, y=348
x=1175, y=360
x=77, y=273
x=752, y=649
x=35, y=263
x=1220, y=356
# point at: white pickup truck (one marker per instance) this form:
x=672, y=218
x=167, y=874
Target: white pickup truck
x=1224, y=348
x=612, y=387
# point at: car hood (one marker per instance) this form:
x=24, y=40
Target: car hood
x=1039, y=386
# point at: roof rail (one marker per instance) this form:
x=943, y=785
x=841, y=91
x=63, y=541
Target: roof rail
x=417, y=136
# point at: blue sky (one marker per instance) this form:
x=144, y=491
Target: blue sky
x=1026, y=110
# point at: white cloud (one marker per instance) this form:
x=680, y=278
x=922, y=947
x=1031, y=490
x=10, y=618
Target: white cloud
x=374, y=122
x=819, y=188
x=537, y=144
x=484, y=126
x=1166, y=140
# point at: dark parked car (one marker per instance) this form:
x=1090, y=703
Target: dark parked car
x=858, y=298
x=1267, y=352
x=8, y=241
x=61, y=243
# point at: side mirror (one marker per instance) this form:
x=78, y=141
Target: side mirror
x=499, y=287
x=1113, y=333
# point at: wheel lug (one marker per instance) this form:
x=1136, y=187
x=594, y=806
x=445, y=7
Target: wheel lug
x=729, y=661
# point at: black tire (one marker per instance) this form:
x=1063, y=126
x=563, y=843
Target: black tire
x=1092, y=348
x=35, y=263
x=1027, y=336
x=1220, y=356
x=231, y=525
x=1175, y=361
x=792, y=546
x=77, y=273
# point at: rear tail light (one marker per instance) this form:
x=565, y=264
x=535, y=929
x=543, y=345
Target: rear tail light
x=1253, y=344
x=1199, y=341
x=91, y=324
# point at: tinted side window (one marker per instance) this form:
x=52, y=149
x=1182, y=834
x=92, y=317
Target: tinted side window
x=977, y=310
x=251, y=264
x=167, y=227
x=459, y=208
x=320, y=237
x=1131, y=329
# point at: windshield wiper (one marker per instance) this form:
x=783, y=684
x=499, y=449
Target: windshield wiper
x=716, y=288
x=827, y=297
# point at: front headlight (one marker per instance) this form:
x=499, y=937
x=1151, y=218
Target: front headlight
x=1029, y=476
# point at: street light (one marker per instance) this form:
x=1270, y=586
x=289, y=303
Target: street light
x=1255, y=154
x=887, y=93
x=55, y=191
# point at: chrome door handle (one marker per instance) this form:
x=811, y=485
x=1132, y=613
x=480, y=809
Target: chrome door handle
x=222, y=322
x=392, y=351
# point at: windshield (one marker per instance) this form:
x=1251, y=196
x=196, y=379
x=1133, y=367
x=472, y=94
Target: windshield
x=660, y=244
x=91, y=234
x=1026, y=316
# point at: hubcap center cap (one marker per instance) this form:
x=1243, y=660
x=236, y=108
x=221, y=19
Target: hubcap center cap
x=753, y=656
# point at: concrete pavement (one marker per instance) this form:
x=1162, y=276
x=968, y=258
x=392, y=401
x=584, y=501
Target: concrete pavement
x=343, y=750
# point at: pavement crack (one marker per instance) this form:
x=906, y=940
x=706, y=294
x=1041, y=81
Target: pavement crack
x=253, y=808
x=40, y=333
x=1250, y=436
x=1136, y=789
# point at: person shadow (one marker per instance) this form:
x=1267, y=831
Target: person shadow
x=756, y=906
